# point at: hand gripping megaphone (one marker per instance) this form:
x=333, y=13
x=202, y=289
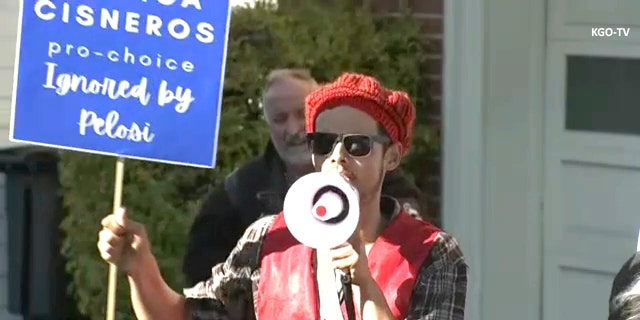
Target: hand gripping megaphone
x=321, y=210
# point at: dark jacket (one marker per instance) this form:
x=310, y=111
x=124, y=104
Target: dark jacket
x=623, y=279
x=257, y=188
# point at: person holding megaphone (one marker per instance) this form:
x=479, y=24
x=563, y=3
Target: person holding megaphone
x=284, y=266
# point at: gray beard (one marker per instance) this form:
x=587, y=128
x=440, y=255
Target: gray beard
x=295, y=159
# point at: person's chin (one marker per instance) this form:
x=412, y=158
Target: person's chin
x=298, y=158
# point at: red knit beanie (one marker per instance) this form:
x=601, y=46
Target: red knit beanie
x=392, y=109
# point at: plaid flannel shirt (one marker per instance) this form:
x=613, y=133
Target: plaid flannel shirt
x=439, y=292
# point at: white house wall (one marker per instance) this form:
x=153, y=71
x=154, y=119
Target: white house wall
x=493, y=172
x=514, y=132
x=8, y=31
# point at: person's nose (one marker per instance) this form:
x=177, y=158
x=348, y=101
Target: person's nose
x=295, y=126
x=338, y=155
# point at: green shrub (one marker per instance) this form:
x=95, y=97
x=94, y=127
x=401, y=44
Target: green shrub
x=327, y=40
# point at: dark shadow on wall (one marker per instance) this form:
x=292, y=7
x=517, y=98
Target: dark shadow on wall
x=37, y=280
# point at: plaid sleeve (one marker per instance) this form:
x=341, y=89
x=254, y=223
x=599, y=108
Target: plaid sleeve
x=231, y=284
x=441, y=287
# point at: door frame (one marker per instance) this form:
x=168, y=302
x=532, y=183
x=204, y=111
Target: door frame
x=463, y=135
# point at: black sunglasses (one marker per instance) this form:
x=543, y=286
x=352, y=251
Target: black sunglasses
x=357, y=145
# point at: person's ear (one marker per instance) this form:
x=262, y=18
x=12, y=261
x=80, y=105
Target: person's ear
x=392, y=157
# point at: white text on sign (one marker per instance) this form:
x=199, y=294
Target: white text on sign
x=131, y=22
x=111, y=127
x=125, y=56
x=63, y=83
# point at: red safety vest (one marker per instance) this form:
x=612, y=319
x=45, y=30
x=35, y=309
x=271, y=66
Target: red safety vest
x=287, y=288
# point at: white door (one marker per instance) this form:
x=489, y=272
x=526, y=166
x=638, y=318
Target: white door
x=592, y=174
x=592, y=154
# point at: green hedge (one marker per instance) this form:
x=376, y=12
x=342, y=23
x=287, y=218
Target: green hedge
x=327, y=40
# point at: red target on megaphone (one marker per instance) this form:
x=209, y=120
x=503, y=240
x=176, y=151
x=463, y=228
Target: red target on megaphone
x=321, y=210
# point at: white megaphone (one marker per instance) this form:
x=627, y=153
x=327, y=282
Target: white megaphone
x=321, y=210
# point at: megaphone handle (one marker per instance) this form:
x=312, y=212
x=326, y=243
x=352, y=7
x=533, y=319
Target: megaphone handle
x=348, y=295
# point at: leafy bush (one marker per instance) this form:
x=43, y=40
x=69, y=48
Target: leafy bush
x=327, y=40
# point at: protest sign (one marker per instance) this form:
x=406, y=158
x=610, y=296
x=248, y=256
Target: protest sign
x=137, y=79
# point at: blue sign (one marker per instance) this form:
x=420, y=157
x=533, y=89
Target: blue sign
x=137, y=79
